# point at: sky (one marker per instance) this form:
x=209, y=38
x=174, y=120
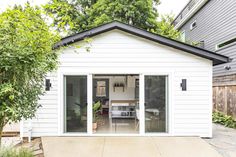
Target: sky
x=166, y=6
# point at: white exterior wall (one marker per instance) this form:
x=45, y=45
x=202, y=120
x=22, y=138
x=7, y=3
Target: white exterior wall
x=119, y=52
x=46, y=120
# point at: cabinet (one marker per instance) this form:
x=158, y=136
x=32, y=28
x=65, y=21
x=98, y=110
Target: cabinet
x=123, y=108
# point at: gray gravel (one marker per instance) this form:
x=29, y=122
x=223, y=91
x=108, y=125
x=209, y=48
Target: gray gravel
x=223, y=140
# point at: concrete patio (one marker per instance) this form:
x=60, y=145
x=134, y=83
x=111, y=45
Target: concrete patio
x=224, y=140
x=127, y=147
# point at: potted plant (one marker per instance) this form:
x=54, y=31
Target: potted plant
x=96, y=110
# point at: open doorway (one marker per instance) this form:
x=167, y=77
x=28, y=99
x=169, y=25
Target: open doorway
x=115, y=103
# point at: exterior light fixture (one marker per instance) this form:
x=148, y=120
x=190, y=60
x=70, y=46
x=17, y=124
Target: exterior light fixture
x=48, y=85
x=227, y=67
x=183, y=84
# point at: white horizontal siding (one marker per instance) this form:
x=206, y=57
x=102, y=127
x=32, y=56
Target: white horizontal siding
x=229, y=51
x=45, y=122
x=119, y=52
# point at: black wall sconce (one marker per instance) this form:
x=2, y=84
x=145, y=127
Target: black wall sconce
x=48, y=85
x=227, y=67
x=183, y=85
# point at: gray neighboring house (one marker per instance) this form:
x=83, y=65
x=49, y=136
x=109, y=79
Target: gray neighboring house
x=212, y=23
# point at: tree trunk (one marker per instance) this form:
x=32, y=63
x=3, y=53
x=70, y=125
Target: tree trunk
x=2, y=124
x=1, y=130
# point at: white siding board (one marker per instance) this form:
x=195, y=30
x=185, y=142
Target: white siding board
x=45, y=121
x=116, y=51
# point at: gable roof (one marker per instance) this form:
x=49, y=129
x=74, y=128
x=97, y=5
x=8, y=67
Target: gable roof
x=216, y=58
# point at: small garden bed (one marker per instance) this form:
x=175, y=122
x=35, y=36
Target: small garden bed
x=223, y=119
x=24, y=149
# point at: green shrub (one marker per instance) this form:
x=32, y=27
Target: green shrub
x=13, y=152
x=223, y=119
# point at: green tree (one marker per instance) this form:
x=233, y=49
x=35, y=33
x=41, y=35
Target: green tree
x=26, y=56
x=77, y=15
x=166, y=27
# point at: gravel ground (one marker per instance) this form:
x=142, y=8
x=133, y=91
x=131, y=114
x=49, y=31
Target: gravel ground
x=35, y=145
x=10, y=141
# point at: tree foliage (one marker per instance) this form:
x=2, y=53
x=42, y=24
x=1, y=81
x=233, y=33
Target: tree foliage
x=78, y=15
x=26, y=55
x=166, y=27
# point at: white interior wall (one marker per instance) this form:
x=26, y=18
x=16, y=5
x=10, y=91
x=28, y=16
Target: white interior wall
x=119, y=94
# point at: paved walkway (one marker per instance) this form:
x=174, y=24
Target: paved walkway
x=127, y=147
x=224, y=140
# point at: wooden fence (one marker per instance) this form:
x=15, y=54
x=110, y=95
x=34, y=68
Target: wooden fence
x=224, y=99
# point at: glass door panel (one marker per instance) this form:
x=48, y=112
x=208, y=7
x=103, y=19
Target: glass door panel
x=155, y=104
x=75, y=104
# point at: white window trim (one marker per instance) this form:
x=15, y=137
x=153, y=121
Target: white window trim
x=219, y=48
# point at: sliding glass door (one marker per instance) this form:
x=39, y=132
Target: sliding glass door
x=75, y=115
x=155, y=104
x=154, y=93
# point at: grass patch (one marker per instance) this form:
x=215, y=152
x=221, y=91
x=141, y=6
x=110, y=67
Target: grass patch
x=223, y=119
x=15, y=152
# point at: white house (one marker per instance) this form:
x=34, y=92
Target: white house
x=147, y=85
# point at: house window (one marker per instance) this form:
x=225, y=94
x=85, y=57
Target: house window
x=182, y=36
x=228, y=42
x=193, y=25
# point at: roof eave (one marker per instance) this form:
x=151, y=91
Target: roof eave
x=216, y=58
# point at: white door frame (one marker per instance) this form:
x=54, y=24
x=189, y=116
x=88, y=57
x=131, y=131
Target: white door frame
x=169, y=104
x=61, y=132
x=61, y=109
